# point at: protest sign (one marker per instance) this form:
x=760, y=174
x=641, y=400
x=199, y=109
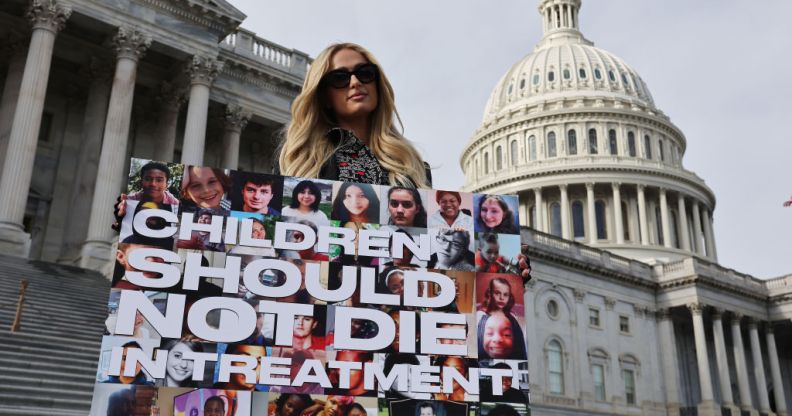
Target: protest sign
x=238, y=293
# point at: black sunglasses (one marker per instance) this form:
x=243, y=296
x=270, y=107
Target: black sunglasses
x=340, y=78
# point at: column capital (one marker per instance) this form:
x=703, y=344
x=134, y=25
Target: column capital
x=131, y=43
x=610, y=303
x=580, y=294
x=696, y=308
x=203, y=70
x=640, y=187
x=662, y=191
x=770, y=328
x=48, y=15
x=537, y=190
x=753, y=323
x=736, y=317
x=563, y=187
x=717, y=313
x=236, y=117
x=616, y=185
x=663, y=314
x=589, y=186
x=171, y=96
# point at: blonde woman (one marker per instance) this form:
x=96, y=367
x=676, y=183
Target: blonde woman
x=342, y=125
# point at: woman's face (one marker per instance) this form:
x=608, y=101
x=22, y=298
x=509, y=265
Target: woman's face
x=396, y=283
x=204, y=189
x=449, y=206
x=178, y=368
x=306, y=198
x=357, y=100
x=293, y=406
x=355, y=201
x=500, y=294
x=259, y=232
x=491, y=213
x=498, y=339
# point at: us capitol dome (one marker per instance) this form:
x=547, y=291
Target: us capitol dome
x=574, y=131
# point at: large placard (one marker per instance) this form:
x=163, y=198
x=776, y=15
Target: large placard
x=239, y=293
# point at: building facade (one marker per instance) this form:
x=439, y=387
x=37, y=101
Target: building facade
x=628, y=311
x=86, y=84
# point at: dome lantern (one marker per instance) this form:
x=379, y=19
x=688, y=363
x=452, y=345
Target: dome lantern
x=560, y=22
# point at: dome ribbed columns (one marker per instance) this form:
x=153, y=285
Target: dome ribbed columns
x=617, y=213
x=709, y=237
x=683, y=232
x=699, y=247
x=540, y=224
x=664, y=219
x=644, y=226
x=702, y=357
x=565, y=231
x=591, y=213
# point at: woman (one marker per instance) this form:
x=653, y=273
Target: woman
x=204, y=187
x=342, y=125
x=179, y=370
x=306, y=197
x=449, y=215
x=356, y=202
x=494, y=215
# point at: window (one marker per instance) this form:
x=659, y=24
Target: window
x=567, y=74
x=592, y=136
x=598, y=375
x=582, y=73
x=648, y=147
x=631, y=144
x=577, y=219
x=551, y=76
x=536, y=79
x=522, y=83
x=624, y=324
x=510, y=89
x=532, y=148
x=594, y=317
x=552, y=308
x=613, y=144
x=599, y=211
x=624, y=79
x=611, y=76
x=629, y=386
x=571, y=142
x=498, y=158
x=660, y=145
x=597, y=73
x=555, y=368
x=555, y=219
x=514, y=152
x=486, y=162
x=551, y=145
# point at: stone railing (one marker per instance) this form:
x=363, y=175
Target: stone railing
x=780, y=285
x=602, y=258
x=247, y=44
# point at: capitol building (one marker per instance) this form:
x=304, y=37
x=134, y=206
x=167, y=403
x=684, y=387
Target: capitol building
x=629, y=311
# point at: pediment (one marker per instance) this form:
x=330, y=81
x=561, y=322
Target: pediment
x=221, y=7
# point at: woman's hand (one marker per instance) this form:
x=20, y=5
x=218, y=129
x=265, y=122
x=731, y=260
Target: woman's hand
x=524, y=264
x=119, y=211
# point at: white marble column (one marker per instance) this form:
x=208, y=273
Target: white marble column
x=565, y=231
x=775, y=371
x=171, y=98
x=698, y=246
x=591, y=214
x=669, y=358
x=617, y=213
x=14, y=53
x=721, y=358
x=130, y=45
x=539, y=210
x=664, y=219
x=746, y=404
x=702, y=358
x=642, y=223
x=203, y=71
x=100, y=73
x=236, y=118
x=682, y=232
x=47, y=18
x=709, y=237
x=758, y=366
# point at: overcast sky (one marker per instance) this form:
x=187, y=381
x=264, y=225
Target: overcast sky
x=719, y=68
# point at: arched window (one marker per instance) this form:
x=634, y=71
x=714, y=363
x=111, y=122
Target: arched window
x=647, y=146
x=532, y=148
x=498, y=158
x=522, y=83
x=551, y=145
x=536, y=79
x=567, y=74
x=592, y=139
x=631, y=144
x=660, y=145
x=613, y=144
x=555, y=367
x=597, y=73
x=551, y=76
x=514, y=153
x=624, y=80
x=625, y=221
x=659, y=226
x=582, y=73
x=476, y=169
x=555, y=219
x=577, y=220
x=510, y=89
x=612, y=76
x=486, y=162
x=599, y=213
x=571, y=142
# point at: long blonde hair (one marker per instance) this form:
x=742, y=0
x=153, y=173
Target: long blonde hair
x=306, y=148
